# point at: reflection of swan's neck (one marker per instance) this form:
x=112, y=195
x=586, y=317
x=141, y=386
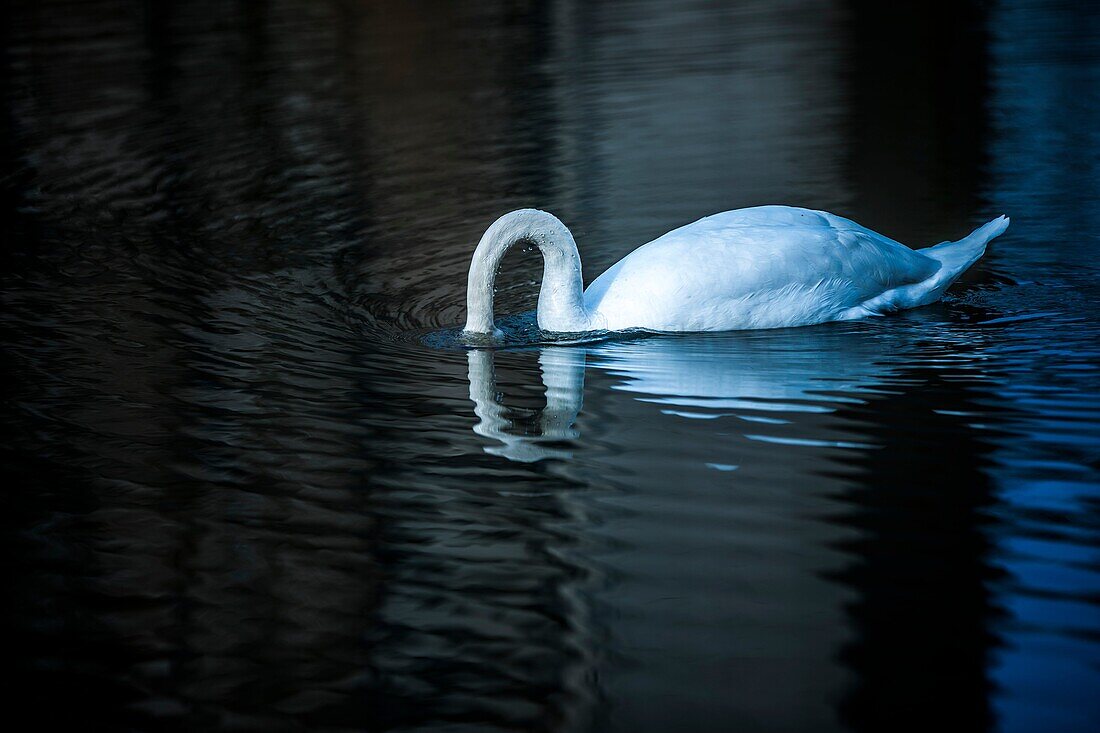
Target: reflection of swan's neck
x=561, y=299
x=563, y=377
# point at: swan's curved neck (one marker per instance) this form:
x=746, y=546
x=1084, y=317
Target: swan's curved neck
x=561, y=299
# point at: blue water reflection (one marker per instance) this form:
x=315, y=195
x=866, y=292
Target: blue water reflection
x=756, y=377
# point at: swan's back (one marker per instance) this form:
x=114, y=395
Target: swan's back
x=761, y=267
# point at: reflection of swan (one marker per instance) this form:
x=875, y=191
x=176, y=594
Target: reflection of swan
x=753, y=376
x=761, y=378
x=764, y=267
x=563, y=376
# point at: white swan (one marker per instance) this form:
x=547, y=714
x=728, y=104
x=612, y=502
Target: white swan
x=762, y=267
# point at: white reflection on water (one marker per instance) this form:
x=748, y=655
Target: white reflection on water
x=761, y=379
x=563, y=377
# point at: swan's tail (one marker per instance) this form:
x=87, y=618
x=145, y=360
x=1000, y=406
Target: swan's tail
x=956, y=257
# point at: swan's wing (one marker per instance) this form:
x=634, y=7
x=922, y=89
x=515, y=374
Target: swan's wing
x=878, y=263
x=800, y=222
x=791, y=265
x=769, y=247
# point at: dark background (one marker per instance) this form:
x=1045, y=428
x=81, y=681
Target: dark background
x=242, y=494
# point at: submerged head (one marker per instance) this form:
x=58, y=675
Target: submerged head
x=561, y=303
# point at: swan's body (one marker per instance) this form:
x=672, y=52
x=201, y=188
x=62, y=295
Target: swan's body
x=764, y=267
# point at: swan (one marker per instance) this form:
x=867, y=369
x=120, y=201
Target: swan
x=760, y=267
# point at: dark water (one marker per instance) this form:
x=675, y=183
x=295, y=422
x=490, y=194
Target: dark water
x=247, y=491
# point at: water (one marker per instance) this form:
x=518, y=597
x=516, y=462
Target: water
x=253, y=483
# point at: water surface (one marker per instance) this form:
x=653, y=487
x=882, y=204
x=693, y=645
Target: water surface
x=251, y=486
